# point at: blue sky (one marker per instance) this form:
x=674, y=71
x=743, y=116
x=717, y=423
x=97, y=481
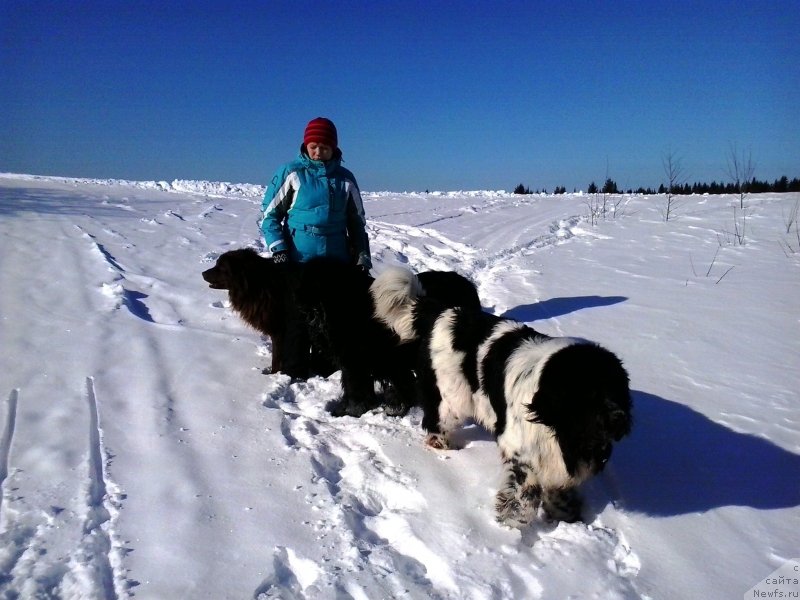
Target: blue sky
x=426, y=95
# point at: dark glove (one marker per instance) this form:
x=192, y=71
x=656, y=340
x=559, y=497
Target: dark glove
x=281, y=257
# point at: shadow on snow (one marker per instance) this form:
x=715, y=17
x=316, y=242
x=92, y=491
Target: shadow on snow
x=14, y=201
x=134, y=302
x=678, y=461
x=556, y=307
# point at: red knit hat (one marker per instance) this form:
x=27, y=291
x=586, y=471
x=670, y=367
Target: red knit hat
x=321, y=131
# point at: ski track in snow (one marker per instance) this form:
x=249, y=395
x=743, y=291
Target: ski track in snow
x=5, y=442
x=440, y=253
x=93, y=566
x=390, y=244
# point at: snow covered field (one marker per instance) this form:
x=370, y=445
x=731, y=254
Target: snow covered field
x=143, y=453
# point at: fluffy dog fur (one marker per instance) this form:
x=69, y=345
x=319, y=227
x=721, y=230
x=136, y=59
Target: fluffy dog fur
x=256, y=288
x=554, y=405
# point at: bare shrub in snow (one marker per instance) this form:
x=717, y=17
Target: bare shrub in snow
x=740, y=168
x=676, y=177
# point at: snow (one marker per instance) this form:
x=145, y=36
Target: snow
x=143, y=452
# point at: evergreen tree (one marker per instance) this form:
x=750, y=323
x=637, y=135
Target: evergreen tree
x=521, y=189
x=610, y=187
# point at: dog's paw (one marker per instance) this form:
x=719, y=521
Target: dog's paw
x=562, y=505
x=337, y=408
x=296, y=373
x=343, y=408
x=395, y=404
x=393, y=410
x=437, y=441
x=515, y=510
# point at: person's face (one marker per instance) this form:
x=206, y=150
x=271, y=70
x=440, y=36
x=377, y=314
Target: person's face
x=319, y=151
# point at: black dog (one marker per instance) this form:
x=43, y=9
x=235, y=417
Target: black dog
x=554, y=405
x=256, y=288
x=259, y=292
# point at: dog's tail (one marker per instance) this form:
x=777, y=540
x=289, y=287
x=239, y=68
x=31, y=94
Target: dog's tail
x=395, y=293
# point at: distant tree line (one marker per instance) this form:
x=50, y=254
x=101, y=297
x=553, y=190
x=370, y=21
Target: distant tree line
x=754, y=186
x=521, y=189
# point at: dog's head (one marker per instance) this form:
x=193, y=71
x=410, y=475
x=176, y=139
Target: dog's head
x=234, y=269
x=583, y=396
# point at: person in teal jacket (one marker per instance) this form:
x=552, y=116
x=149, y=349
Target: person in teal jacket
x=313, y=207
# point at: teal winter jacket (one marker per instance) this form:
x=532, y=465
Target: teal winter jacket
x=314, y=209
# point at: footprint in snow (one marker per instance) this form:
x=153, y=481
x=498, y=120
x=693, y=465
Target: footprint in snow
x=292, y=577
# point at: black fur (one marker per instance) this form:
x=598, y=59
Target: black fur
x=334, y=299
x=448, y=288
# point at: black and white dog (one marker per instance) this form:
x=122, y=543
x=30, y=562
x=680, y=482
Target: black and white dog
x=554, y=405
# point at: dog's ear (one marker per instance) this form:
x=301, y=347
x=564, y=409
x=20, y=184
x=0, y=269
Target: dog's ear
x=234, y=271
x=548, y=407
x=619, y=419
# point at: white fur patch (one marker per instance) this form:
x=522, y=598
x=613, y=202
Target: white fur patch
x=394, y=293
x=482, y=406
x=457, y=402
x=533, y=443
x=502, y=328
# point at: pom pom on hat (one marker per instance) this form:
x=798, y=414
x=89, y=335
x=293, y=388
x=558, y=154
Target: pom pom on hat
x=321, y=131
